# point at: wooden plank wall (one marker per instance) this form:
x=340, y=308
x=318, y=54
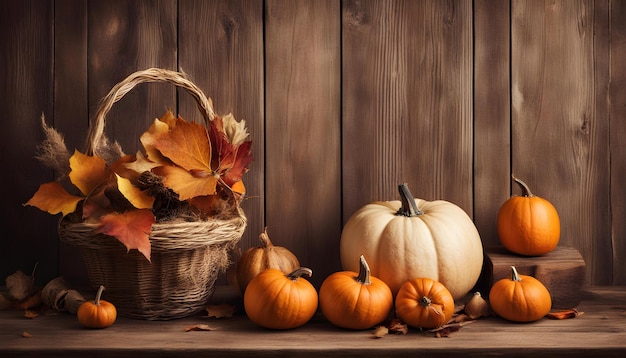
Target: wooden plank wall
x=344, y=100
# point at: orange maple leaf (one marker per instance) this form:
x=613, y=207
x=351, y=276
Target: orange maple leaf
x=87, y=172
x=131, y=228
x=54, y=199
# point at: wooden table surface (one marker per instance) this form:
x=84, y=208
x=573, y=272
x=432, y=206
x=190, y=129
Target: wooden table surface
x=599, y=332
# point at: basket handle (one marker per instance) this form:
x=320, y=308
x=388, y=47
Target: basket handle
x=179, y=79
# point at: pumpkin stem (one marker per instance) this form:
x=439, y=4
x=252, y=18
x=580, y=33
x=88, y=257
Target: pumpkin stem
x=301, y=271
x=424, y=301
x=525, y=190
x=364, y=272
x=409, y=207
x=515, y=275
x=265, y=239
x=98, y=295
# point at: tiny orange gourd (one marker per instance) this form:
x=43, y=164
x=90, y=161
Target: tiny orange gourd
x=520, y=298
x=355, y=300
x=97, y=313
x=527, y=224
x=277, y=300
x=424, y=303
x=258, y=259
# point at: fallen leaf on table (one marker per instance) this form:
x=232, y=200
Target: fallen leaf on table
x=199, y=327
x=30, y=314
x=380, y=331
x=447, y=329
x=221, y=310
x=26, y=335
x=565, y=314
x=396, y=326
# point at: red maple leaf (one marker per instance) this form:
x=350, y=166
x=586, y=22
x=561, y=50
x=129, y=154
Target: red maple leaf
x=131, y=228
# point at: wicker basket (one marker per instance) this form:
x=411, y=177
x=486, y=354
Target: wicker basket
x=186, y=256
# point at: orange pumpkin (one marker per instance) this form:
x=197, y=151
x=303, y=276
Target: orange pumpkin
x=520, y=298
x=258, y=259
x=278, y=301
x=97, y=313
x=355, y=301
x=527, y=224
x=424, y=303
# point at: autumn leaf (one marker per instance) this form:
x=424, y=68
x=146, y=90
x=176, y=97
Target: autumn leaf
x=87, y=172
x=220, y=311
x=231, y=155
x=199, y=327
x=54, y=199
x=138, y=198
x=380, y=331
x=565, y=314
x=139, y=165
x=150, y=138
x=131, y=228
x=187, y=184
x=187, y=144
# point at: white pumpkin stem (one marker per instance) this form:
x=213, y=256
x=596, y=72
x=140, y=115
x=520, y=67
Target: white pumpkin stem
x=525, y=189
x=409, y=207
x=364, y=272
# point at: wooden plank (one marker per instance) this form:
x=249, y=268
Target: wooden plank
x=71, y=111
x=492, y=117
x=599, y=332
x=562, y=271
x=28, y=235
x=617, y=112
x=407, y=101
x=559, y=131
x=303, y=170
x=124, y=37
x=221, y=47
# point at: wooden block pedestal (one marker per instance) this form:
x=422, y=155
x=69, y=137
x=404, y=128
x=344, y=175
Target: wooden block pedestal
x=562, y=271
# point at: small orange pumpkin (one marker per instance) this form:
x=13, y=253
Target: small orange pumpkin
x=520, y=298
x=424, y=303
x=97, y=313
x=527, y=224
x=258, y=259
x=278, y=301
x=355, y=301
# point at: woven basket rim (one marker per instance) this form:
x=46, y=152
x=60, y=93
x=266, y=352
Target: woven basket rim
x=170, y=235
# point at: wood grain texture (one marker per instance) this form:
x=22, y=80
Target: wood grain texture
x=124, y=37
x=303, y=168
x=617, y=114
x=407, y=101
x=599, y=332
x=492, y=117
x=344, y=100
x=71, y=104
x=221, y=48
x=26, y=63
x=559, y=130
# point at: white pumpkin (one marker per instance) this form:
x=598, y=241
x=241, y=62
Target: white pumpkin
x=412, y=238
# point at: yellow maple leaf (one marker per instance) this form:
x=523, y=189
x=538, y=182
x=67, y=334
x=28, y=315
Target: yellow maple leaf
x=187, y=184
x=137, y=197
x=150, y=137
x=54, y=199
x=87, y=172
